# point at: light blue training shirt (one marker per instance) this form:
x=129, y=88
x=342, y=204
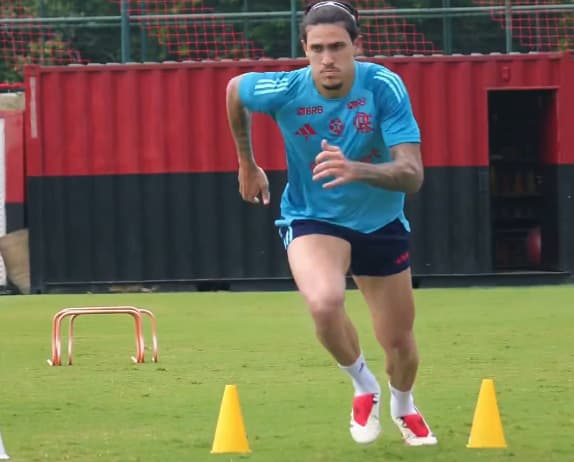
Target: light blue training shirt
x=374, y=116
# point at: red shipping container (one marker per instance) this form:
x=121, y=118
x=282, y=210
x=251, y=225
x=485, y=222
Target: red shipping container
x=171, y=118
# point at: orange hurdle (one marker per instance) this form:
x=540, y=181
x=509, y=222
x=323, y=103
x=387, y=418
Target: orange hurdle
x=73, y=313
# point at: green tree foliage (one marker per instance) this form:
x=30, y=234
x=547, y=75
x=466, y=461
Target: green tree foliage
x=52, y=44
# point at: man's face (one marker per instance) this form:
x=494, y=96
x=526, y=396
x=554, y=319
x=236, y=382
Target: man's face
x=331, y=55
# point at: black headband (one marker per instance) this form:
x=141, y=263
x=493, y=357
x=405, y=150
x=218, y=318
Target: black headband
x=343, y=6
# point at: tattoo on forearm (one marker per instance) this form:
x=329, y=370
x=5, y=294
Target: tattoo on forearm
x=241, y=126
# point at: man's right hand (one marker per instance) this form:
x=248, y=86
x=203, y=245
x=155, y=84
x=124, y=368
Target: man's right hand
x=252, y=183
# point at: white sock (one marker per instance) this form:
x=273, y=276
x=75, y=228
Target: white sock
x=402, y=402
x=364, y=380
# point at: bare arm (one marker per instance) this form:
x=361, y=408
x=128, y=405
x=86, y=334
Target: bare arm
x=404, y=173
x=239, y=120
x=253, y=182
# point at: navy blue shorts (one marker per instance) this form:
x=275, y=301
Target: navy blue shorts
x=380, y=253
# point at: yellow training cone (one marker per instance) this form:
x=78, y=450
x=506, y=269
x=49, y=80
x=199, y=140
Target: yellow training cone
x=486, y=431
x=230, y=434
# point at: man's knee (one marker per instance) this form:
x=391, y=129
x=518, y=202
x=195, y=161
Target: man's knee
x=398, y=342
x=325, y=304
x=400, y=351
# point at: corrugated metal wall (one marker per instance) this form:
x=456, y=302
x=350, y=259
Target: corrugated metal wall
x=162, y=228
x=162, y=118
x=132, y=170
x=148, y=118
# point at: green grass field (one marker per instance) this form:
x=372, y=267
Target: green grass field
x=295, y=401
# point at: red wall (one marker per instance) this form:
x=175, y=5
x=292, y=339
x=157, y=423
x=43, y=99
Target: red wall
x=170, y=118
x=14, y=144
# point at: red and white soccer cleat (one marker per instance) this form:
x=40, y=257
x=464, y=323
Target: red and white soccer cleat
x=365, y=426
x=415, y=430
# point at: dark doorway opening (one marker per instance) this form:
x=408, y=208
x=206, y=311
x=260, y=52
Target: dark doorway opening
x=522, y=143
